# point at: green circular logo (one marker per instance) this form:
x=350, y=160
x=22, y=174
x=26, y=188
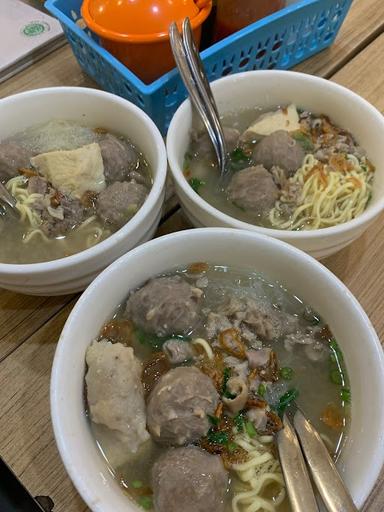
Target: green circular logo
x=35, y=28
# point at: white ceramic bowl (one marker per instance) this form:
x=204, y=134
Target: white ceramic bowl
x=94, y=108
x=267, y=89
x=363, y=453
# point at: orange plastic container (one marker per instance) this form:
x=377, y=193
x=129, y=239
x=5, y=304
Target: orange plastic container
x=136, y=31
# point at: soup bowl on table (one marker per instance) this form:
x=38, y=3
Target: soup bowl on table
x=261, y=92
x=292, y=271
x=105, y=126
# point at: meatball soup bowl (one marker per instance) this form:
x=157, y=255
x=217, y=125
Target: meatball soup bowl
x=290, y=116
x=88, y=171
x=168, y=285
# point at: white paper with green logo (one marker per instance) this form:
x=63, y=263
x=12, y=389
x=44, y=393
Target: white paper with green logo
x=26, y=34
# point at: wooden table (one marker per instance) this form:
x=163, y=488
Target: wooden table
x=30, y=326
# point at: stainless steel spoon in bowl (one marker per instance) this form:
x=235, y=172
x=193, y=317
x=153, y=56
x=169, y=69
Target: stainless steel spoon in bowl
x=8, y=200
x=300, y=445
x=192, y=72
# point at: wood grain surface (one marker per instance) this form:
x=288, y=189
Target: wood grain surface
x=30, y=326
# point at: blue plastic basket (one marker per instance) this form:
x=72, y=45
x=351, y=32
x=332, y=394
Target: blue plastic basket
x=277, y=41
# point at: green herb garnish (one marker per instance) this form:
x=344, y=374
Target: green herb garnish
x=187, y=161
x=287, y=373
x=334, y=346
x=232, y=447
x=239, y=160
x=336, y=376
x=217, y=436
x=250, y=429
x=304, y=140
x=239, y=421
x=136, y=484
x=261, y=390
x=196, y=184
x=224, y=389
x=213, y=420
x=286, y=399
x=145, y=502
x=345, y=395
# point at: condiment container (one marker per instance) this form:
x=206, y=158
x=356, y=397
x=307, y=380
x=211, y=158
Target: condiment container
x=233, y=15
x=136, y=31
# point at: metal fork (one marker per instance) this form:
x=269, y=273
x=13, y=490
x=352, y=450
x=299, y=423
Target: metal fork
x=299, y=444
x=192, y=72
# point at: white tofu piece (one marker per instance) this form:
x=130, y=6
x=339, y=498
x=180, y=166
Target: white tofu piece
x=73, y=172
x=283, y=119
x=115, y=392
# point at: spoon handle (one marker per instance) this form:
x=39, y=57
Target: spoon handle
x=296, y=477
x=182, y=64
x=205, y=91
x=325, y=475
x=193, y=76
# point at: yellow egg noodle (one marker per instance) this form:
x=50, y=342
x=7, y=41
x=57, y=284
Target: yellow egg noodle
x=17, y=186
x=261, y=470
x=326, y=196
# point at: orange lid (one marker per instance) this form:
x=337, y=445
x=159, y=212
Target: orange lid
x=139, y=20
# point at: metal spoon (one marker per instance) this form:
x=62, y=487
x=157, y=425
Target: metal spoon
x=308, y=446
x=196, y=82
x=8, y=199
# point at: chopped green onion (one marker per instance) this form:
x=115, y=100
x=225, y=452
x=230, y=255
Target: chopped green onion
x=250, y=429
x=232, y=447
x=217, y=436
x=238, y=154
x=345, y=395
x=136, y=484
x=286, y=399
x=196, y=184
x=261, y=390
x=145, y=502
x=187, y=161
x=336, y=377
x=224, y=390
x=213, y=420
x=304, y=140
x=239, y=160
x=333, y=345
x=287, y=373
x=239, y=421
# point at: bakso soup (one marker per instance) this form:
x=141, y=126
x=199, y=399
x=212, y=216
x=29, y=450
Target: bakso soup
x=288, y=169
x=186, y=385
x=74, y=186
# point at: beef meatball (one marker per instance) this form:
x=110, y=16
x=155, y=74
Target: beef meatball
x=37, y=185
x=119, y=158
x=72, y=215
x=189, y=480
x=120, y=201
x=281, y=150
x=178, y=406
x=204, y=145
x=253, y=189
x=165, y=306
x=12, y=157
